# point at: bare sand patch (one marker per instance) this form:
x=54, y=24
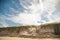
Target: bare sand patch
x=18, y=38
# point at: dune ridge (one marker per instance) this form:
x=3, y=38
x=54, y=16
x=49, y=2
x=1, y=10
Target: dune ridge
x=41, y=31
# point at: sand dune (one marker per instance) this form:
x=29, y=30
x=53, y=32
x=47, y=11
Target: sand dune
x=41, y=31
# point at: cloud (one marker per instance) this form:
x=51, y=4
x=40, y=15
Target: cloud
x=34, y=10
x=2, y=22
x=26, y=19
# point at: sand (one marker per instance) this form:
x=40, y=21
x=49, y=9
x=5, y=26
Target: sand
x=17, y=38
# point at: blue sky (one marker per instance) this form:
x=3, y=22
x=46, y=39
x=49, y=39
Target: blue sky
x=5, y=10
x=28, y=12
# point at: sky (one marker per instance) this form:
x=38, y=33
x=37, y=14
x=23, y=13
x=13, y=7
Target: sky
x=28, y=12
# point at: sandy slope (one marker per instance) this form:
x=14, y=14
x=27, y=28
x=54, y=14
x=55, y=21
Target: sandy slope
x=16, y=38
x=42, y=31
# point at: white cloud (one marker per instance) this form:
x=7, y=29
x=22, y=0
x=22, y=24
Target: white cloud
x=2, y=22
x=35, y=11
x=26, y=19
